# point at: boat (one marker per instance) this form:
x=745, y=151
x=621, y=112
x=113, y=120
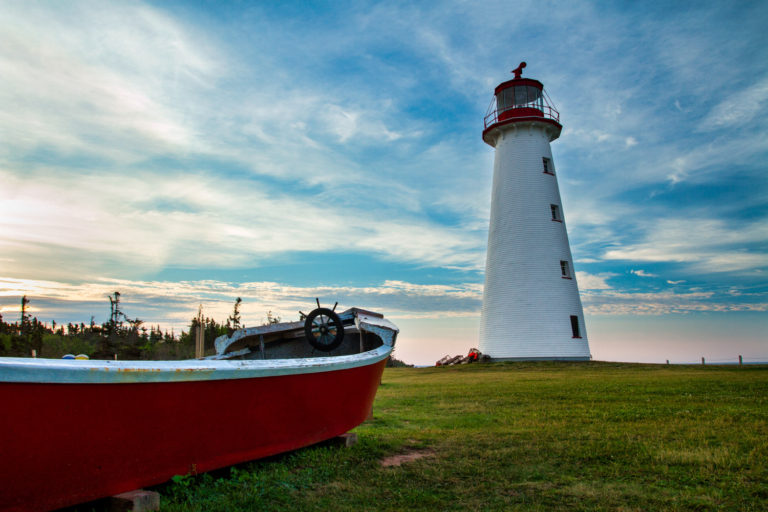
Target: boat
x=72, y=431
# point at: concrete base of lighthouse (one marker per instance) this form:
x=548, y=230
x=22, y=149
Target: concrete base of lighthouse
x=553, y=358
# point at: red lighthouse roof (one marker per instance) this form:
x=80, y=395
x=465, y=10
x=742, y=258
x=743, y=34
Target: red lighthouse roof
x=519, y=81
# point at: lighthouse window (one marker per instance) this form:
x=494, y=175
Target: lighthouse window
x=565, y=269
x=504, y=100
x=556, y=213
x=548, y=168
x=527, y=95
x=575, y=326
x=521, y=96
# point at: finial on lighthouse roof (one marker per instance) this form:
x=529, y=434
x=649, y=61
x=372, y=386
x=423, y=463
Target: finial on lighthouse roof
x=519, y=70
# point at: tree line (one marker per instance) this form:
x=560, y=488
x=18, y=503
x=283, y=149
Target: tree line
x=120, y=337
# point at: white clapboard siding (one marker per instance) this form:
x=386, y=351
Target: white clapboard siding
x=527, y=304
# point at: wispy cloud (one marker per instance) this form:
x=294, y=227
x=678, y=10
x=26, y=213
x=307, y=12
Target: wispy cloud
x=642, y=273
x=603, y=298
x=706, y=245
x=104, y=91
x=739, y=107
x=149, y=221
x=172, y=304
x=119, y=103
x=663, y=303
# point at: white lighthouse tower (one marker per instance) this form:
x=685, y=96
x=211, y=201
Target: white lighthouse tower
x=531, y=305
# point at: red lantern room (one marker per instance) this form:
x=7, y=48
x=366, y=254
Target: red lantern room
x=517, y=100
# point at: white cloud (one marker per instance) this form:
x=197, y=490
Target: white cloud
x=347, y=123
x=642, y=273
x=738, y=107
x=172, y=304
x=707, y=245
x=592, y=282
x=614, y=302
x=103, y=90
x=121, y=103
x=151, y=221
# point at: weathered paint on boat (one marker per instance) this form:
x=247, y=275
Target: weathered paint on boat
x=87, y=429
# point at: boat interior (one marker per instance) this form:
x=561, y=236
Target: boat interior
x=319, y=335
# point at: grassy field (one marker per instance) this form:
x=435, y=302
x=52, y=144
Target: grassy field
x=526, y=436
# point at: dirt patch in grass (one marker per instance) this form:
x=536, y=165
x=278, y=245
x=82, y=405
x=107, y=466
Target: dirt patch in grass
x=402, y=458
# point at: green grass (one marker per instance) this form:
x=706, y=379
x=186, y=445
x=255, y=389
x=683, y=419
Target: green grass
x=527, y=436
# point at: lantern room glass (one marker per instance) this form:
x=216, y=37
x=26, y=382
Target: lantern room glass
x=519, y=96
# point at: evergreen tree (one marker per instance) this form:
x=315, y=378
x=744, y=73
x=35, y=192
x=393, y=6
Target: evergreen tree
x=272, y=319
x=233, y=321
x=24, y=328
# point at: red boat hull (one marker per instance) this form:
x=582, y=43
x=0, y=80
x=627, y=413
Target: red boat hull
x=63, y=444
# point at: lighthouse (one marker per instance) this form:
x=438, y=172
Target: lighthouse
x=531, y=305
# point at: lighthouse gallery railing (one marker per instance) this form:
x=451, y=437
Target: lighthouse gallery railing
x=495, y=115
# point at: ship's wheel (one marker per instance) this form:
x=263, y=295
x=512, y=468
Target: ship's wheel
x=323, y=329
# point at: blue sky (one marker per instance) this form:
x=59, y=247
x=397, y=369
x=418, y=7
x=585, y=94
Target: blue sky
x=189, y=153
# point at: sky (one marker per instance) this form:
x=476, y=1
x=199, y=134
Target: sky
x=189, y=153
